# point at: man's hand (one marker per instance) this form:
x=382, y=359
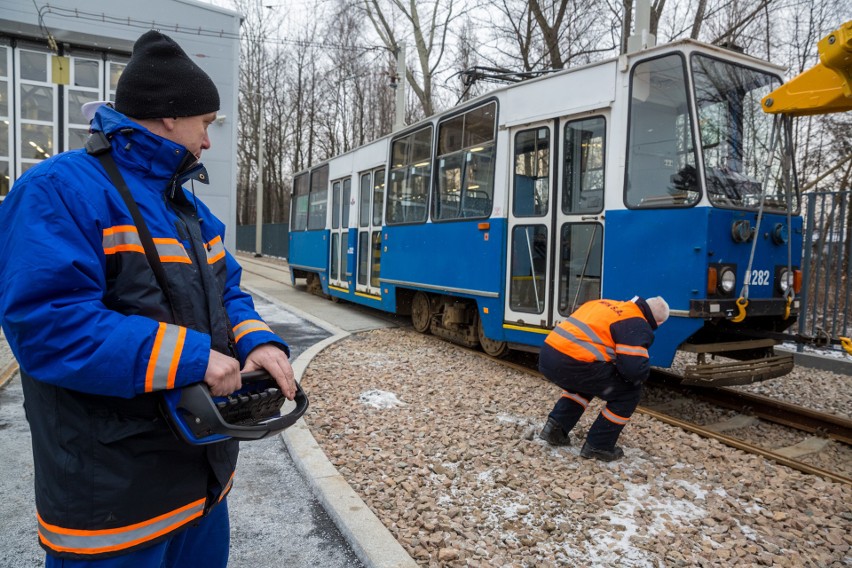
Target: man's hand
x=222, y=374
x=276, y=363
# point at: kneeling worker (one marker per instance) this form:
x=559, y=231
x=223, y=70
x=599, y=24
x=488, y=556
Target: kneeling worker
x=600, y=350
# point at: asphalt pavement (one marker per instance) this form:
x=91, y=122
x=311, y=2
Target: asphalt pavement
x=289, y=506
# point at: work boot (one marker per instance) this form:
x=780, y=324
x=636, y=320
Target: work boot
x=602, y=455
x=553, y=434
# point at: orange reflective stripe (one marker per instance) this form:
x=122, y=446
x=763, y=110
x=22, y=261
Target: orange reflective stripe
x=100, y=541
x=121, y=238
x=227, y=488
x=576, y=398
x=171, y=250
x=215, y=250
x=613, y=417
x=125, y=238
x=254, y=325
x=165, y=357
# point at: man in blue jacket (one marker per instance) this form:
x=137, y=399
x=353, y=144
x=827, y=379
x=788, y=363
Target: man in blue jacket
x=601, y=350
x=100, y=336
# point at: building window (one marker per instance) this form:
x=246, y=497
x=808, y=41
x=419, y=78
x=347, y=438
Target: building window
x=5, y=121
x=36, y=109
x=30, y=129
x=86, y=86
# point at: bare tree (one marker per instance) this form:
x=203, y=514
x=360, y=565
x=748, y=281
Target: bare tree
x=427, y=34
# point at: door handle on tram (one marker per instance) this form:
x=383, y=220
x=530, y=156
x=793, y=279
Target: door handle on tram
x=591, y=217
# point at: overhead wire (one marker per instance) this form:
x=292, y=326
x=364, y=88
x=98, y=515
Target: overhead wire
x=180, y=28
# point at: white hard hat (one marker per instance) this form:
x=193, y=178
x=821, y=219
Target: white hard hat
x=89, y=109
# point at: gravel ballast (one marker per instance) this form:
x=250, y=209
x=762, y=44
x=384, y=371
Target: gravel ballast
x=442, y=445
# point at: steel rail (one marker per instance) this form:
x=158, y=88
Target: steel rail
x=832, y=426
x=745, y=446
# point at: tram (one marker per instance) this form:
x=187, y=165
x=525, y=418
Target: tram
x=654, y=173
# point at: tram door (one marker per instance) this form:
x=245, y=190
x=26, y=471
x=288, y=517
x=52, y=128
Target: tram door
x=530, y=220
x=579, y=219
x=338, y=275
x=555, y=219
x=371, y=200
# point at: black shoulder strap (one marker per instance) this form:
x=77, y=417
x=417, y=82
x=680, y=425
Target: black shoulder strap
x=97, y=145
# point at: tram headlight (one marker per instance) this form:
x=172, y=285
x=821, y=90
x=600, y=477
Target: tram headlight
x=727, y=280
x=721, y=279
x=785, y=278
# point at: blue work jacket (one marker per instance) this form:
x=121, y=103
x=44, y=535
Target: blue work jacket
x=98, y=341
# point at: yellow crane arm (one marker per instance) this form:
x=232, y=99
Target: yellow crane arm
x=822, y=89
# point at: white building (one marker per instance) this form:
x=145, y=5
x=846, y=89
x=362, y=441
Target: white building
x=56, y=56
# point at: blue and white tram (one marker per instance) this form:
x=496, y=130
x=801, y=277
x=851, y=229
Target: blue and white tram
x=651, y=174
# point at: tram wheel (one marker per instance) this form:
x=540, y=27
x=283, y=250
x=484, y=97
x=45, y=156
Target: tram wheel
x=491, y=347
x=421, y=312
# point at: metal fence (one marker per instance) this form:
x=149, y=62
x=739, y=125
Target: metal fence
x=825, y=294
x=275, y=239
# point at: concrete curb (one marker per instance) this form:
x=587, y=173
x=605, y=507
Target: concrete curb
x=8, y=373
x=371, y=541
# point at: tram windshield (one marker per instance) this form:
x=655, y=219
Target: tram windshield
x=736, y=136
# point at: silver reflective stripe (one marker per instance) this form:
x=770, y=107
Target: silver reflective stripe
x=591, y=335
x=587, y=345
x=170, y=250
x=630, y=350
x=159, y=376
x=106, y=540
x=114, y=238
x=215, y=251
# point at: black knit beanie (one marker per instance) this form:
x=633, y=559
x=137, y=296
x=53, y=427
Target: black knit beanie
x=161, y=81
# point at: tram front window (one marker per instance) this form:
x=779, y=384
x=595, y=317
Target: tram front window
x=660, y=152
x=736, y=135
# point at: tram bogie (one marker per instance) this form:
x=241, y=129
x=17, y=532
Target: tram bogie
x=654, y=174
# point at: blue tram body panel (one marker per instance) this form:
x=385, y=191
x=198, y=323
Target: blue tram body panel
x=667, y=252
x=454, y=257
x=309, y=251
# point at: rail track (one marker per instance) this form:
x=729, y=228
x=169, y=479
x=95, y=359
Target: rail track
x=749, y=408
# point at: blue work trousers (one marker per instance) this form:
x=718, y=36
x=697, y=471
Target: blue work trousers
x=581, y=386
x=205, y=544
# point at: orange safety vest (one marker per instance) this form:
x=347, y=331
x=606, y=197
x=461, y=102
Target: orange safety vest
x=586, y=335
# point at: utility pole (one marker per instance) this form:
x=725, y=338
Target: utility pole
x=399, y=121
x=258, y=230
x=642, y=38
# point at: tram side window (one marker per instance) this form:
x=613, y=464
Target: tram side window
x=378, y=196
x=347, y=190
x=579, y=265
x=318, y=201
x=411, y=169
x=531, y=194
x=363, y=257
x=660, y=153
x=465, y=177
x=583, y=176
x=364, y=201
x=299, y=203
x=377, y=251
x=529, y=263
x=335, y=205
